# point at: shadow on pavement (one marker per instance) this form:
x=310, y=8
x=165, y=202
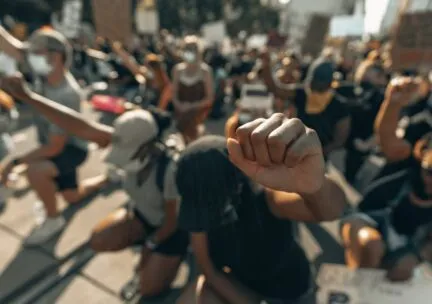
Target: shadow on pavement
x=331, y=251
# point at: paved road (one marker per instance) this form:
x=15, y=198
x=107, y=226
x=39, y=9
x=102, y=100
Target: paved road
x=66, y=271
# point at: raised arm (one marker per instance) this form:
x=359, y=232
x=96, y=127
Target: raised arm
x=10, y=45
x=397, y=96
x=280, y=90
x=128, y=61
x=67, y=119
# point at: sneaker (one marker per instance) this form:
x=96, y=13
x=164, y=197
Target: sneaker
x=46, y=231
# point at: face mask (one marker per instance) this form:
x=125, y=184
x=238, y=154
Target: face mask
x=39, y=64
x=189, y=56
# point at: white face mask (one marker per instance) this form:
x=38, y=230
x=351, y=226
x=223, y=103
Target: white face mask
x=39, y=64
x=189, y=56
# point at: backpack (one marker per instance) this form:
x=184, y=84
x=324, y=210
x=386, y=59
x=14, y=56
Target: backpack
x=163, y=162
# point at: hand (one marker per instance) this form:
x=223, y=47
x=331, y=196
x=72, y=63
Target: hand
x=5, y=172
x=279, y=153
x=403, y=91
x=116, y=46
x=16, y=87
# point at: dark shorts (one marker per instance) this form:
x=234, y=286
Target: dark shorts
x=67, y=164
x=176, y=245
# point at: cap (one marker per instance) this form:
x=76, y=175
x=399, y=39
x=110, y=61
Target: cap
x=51, y=40
x=131, y=131
x=207, y=182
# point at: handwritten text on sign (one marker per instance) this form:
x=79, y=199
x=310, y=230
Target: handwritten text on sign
x=369, y=287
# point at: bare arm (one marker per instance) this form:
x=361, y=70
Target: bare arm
x=128, y=61
x=55, y=146
x=327, y=204
x=70, y=120
x=395, y=149
x=214, y=277
x=10, y=45
x=175, y=86
x=280, y=90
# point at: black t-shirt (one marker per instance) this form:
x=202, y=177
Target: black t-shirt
x=407, y=217
x=323, y=123
x=259, y=248
x=363, y=106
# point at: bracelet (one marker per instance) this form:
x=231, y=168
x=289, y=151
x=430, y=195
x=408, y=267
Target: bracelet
x=150, y=244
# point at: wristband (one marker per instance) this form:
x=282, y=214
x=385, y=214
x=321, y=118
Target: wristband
x=150, y=244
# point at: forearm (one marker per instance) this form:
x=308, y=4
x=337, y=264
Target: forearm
x=284, y=92
x=328, y=203
x=387, y=121
x=164, y=232
x=66, y=118
x=393, y=147
x=10, y=45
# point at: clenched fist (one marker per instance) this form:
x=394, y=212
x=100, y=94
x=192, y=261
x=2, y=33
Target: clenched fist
x=279, y=153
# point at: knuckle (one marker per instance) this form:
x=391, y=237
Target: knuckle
x=295, y=122
x=257, y=137
x=275, y=140
x=278, y=116
x=242, y=133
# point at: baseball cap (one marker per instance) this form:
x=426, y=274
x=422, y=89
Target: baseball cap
x=131, y=131
x=51, y=40
x=207, y=183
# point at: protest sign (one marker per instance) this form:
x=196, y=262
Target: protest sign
x=113, y=19
x=214, y=32
x=315, y=35
x=147, y=18
x=338, y=284
x=256, y=96
x=412, y=43
x=69, y=23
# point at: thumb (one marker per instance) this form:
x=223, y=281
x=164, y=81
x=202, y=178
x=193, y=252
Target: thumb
x=238, y=159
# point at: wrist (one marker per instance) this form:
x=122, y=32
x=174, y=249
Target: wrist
x=151, y=243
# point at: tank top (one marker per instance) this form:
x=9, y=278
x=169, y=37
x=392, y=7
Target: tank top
x=191, y=89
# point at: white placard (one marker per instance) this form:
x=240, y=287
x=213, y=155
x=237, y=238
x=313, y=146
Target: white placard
x=257, y=41
x=256, y=96
x=344, y=26
x=147, y=21
x=214, y=32
x=70, y=23
x=369, y=286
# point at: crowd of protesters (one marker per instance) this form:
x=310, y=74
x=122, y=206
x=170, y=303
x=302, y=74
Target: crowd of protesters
x=233, y=199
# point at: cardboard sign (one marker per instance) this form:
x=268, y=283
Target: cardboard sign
x=412, y=44
x=214, y=32
x=338, y=284
x=315, y=35
x=347, y=26
x=147, y=21
x=70, y=23
x=113, y=19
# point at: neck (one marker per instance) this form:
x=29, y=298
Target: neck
x=56, y=77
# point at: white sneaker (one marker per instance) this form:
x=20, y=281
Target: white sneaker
x=39, y=213
x=46, y=231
